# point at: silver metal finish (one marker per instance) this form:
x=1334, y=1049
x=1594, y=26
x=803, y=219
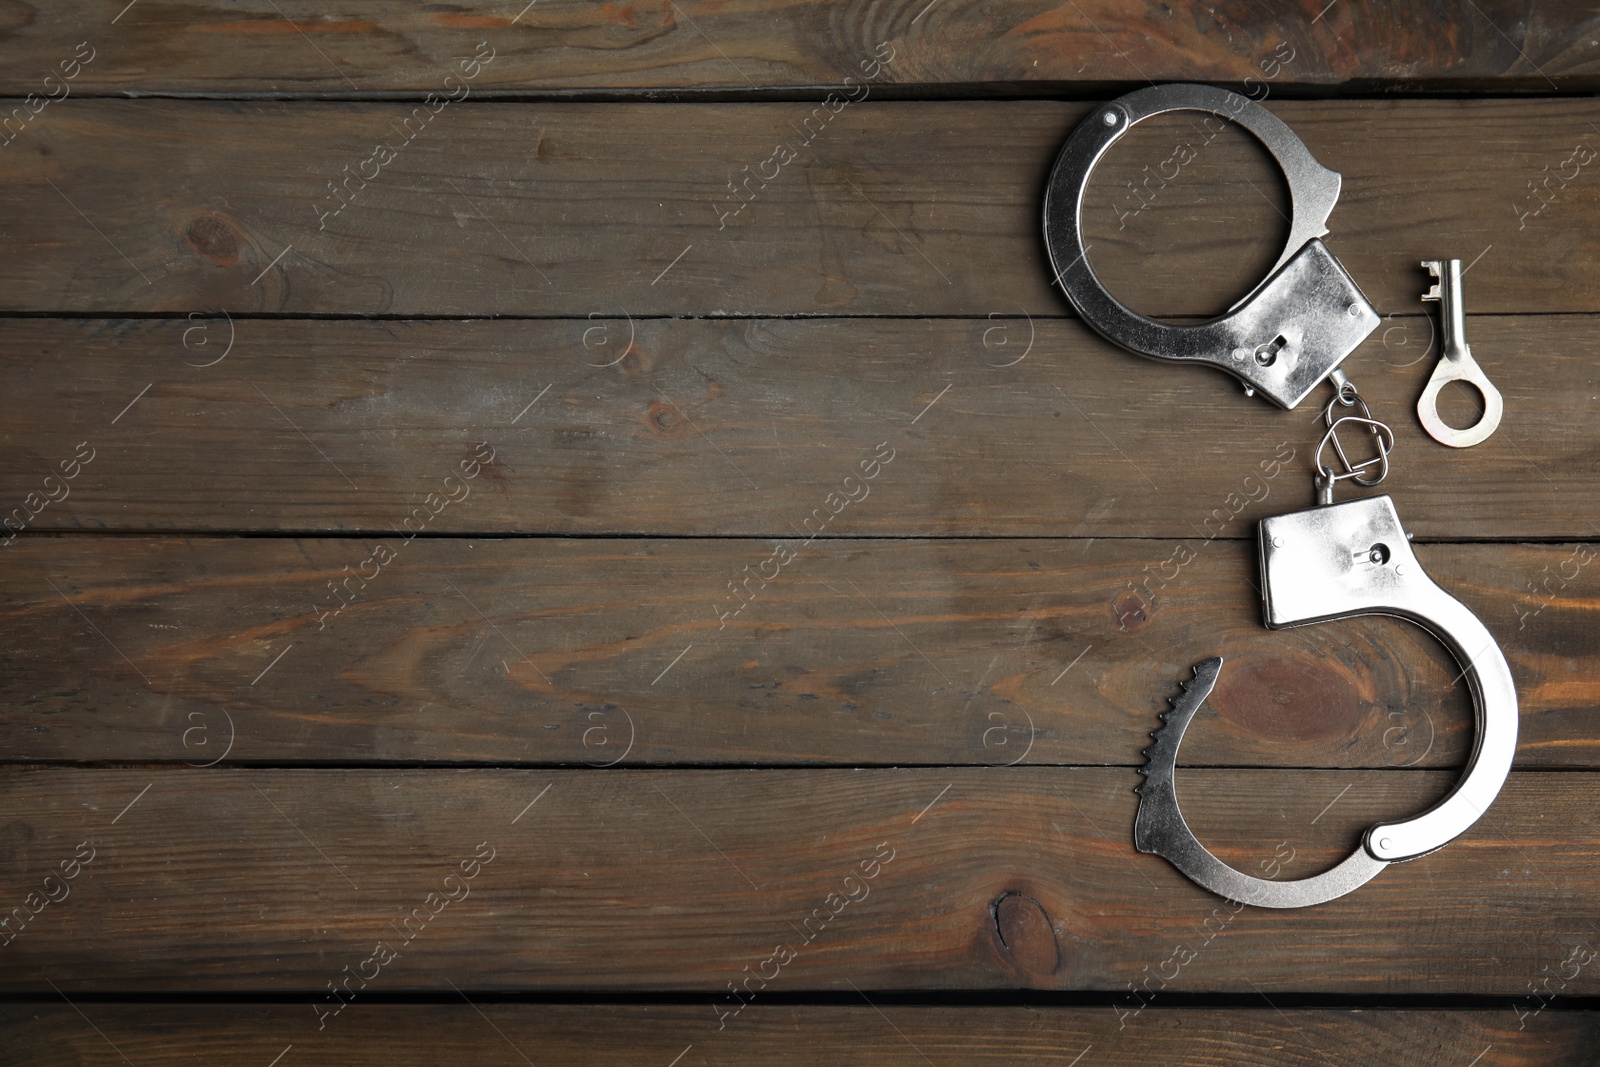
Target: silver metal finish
x=1283, y=338
x=1326, y=478
x=1353, y=559
x=1383, y=441
x=1336, y=562
x=1160, y=828
x=1456, y=364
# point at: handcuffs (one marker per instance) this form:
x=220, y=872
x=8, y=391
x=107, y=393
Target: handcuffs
x=1332, y=561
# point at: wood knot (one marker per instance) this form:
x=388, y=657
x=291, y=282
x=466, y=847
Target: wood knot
x=664, y=418
x=632, y=362
x=1131, y=611
x=1289, y=698
x=1024, y=934
x=212, y=237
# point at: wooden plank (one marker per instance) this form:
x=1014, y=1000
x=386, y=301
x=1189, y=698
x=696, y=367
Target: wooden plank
x=297, y=46
x=964, y=878
x=741, y=428
x=152, y=1035
x=884, y=208
x=860, y=652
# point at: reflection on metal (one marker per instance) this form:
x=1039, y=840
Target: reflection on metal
x=1283, y=338
x=1336, y=562
x=1455, y=364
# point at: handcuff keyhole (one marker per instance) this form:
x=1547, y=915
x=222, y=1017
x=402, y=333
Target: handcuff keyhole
x=1379, y=554
x=1267, y=354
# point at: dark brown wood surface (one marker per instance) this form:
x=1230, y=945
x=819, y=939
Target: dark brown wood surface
x=875, y=1033
x=962, y=878
x=996, y=426
x=294, y=46
x=469, y=517
x=556, y=651
x=915, y=208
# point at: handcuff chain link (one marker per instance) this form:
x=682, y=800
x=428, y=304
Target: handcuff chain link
x=1345, y=395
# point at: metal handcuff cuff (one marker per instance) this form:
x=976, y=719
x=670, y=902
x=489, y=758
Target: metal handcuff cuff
x=1333, y=561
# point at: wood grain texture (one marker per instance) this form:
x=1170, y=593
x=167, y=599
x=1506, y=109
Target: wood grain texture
x=54, y=1035
x=885, y=208
x=860, y=652
x=359, y=45
x=676, y=880
x=997, y=426
x=531, y=741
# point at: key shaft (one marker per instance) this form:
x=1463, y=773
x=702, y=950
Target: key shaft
x=1453, y=306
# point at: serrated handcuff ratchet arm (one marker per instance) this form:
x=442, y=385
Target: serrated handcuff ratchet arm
x=1333, y=561
x=1336, y=562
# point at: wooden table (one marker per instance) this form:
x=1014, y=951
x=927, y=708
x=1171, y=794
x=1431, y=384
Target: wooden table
x=583, y=533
